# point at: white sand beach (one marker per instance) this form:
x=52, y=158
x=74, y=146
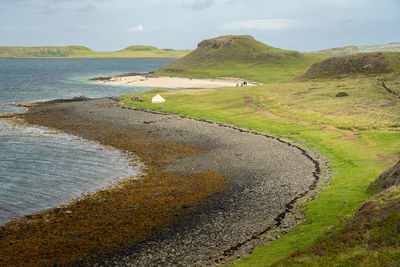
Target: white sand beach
x=175, y=82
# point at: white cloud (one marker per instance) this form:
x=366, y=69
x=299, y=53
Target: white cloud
x=198, y=4
x=262, y=24
x=138, y=28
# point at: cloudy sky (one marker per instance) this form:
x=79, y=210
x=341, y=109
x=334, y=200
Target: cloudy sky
x=107, y=25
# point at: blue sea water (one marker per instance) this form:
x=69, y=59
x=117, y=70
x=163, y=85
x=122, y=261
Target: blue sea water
x=41, y=168
x=44, y=79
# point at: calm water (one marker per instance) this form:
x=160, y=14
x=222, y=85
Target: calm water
x=40, y=168
x=44, y=79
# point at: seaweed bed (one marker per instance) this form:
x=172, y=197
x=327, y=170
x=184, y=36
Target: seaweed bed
x=206, y=194
x=100, y=223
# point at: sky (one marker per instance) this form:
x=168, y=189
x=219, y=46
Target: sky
x=110, y=25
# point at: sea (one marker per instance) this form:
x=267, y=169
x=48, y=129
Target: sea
x=41, y=168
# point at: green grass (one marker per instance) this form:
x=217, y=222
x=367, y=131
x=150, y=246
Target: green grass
x=372, y=238
x=84, y=52
x=241, y=57
x=357, y=160
x=368, y=106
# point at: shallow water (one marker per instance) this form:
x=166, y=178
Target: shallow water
x=39, y=168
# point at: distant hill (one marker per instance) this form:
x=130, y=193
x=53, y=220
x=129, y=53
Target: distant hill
x=43, y=51
x=151, y=51
x=348, y=50
x=385, y=47
x=243, y=57
x=345, y=50
x=357, y=64
x=84, y=52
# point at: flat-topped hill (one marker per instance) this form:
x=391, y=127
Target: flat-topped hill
x=241, y=48
x=357, y=64
x=241, y=56
x=152, y=51
x=43, y=51
x=138, y=51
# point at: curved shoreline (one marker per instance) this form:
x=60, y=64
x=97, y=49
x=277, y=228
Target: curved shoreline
x=258, y=197
x=149, y=80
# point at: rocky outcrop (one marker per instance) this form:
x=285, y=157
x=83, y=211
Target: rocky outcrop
x=222, y=41
x=387, y=179
x=368, y=63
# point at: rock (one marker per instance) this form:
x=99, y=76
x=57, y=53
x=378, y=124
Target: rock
x=114, y=98
x=80, y=98
x=137, y=98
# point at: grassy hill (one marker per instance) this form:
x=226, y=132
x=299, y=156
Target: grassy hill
x=357, y=64
x=348, y=50
x=84, y=52
x=241, y=57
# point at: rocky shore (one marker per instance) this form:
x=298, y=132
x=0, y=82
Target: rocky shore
x=266, y=177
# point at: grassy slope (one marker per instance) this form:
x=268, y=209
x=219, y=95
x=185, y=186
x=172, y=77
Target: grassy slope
x=371, y=238
x=243, y=57
x=84, y=52
x=357, y=157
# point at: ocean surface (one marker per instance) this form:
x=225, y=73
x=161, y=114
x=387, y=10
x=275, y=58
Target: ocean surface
x=41, y=168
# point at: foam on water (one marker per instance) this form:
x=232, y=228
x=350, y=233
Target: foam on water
x=41, y=168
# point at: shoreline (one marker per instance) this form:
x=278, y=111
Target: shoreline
x=149, y=80
x=234, y=203
x=89, y=58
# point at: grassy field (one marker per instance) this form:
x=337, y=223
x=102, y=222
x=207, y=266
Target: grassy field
x=358, y=133
x=138, y=51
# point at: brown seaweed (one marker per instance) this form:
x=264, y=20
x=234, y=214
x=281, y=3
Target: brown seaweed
x=106, y=221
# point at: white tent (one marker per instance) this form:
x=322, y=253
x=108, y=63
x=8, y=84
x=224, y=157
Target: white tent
x=157, y=99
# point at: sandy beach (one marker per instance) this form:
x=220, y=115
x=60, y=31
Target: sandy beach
x=173, y=82
x=218, y=188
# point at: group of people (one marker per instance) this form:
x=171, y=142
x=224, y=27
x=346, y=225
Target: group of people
x=242, y=84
